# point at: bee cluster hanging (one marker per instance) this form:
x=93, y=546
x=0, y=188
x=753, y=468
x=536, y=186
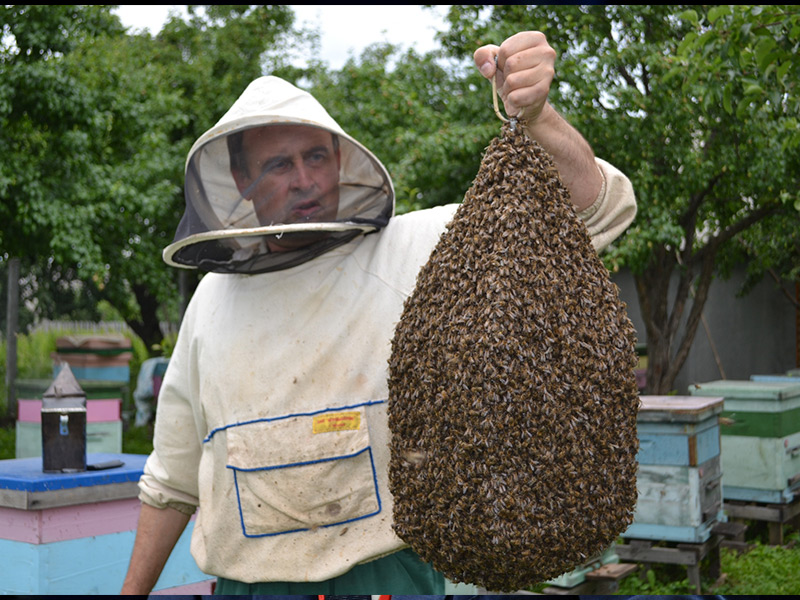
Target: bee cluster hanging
x=512, y=395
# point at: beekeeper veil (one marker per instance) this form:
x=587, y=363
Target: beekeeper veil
x=275, y=183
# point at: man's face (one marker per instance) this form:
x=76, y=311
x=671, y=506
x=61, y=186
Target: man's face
x=291, y=174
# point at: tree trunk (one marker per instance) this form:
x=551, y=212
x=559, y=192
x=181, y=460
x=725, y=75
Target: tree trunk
x=652, y=288
x=12, y=327
x=670, y=334
x=148, y=328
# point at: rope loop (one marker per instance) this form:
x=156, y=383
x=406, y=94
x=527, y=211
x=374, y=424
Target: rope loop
x=513, y=120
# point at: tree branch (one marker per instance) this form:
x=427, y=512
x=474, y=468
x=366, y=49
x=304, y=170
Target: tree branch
x=693, y=321
x=689, y=217
x=629, y=79
x=736, y=228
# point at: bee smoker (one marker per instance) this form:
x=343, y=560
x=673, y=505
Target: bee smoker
x=64, y=425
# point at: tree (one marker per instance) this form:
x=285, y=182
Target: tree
x=45, y=124
x=752, y=52
x=96, y=126
x=427, y=119
x=43, y=129
x=698, y=106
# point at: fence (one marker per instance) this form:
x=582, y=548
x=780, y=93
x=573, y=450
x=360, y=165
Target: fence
x=87, y=326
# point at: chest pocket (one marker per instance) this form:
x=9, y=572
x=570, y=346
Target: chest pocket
x=301, y=472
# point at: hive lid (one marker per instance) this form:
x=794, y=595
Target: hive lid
x=679, y=408
x=93, y=344
x=750, y=390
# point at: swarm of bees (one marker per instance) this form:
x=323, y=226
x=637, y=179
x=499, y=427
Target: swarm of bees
x=512, y=395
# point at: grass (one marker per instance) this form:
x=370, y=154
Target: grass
x=138, y=440
x=763, y=570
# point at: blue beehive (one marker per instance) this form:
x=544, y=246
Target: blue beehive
x=679, y=476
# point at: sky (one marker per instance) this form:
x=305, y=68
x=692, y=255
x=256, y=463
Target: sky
x=345, y=29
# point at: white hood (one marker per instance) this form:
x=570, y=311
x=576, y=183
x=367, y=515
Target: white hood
x=220, y=230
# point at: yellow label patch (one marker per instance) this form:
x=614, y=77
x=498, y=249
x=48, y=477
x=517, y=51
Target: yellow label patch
x=341, y=421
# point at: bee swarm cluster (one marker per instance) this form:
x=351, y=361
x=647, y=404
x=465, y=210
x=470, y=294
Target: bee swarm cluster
x=512, y=396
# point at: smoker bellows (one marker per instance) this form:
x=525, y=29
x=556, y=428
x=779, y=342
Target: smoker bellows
x=512, y=396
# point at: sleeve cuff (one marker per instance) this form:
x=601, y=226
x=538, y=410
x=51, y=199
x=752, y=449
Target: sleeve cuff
x=591, y=210
x=614, y=208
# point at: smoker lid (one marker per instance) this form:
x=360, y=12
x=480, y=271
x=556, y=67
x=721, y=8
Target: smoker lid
x=64, y=392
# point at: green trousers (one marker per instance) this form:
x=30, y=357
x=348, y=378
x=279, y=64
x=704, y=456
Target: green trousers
x=401, y=573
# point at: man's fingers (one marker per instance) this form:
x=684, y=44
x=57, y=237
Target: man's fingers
x=484, y=58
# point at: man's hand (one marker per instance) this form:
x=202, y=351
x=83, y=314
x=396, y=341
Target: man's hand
x=525, y=70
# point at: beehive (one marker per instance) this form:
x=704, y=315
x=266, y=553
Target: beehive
x=95, y=357
x=760, y=438
x=679, y=478
x=512, y=394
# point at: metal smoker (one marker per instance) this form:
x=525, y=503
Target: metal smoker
x=64, y=425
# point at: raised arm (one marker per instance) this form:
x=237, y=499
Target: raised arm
x=525, y=71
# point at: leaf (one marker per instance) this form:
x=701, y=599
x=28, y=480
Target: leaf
x=686, y=44
x=672, y=73
x=727, y=96
x=753, y=90
x=690, y=16
x=718, y=11
x=743, y=108
x=763, y=51
x=782, y=70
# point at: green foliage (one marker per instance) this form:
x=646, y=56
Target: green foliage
x=763, y=570
x=138, y=440
x=427, y=119
x=167, y=345
x=8, y=442
x=751, y=67
x=658, y=584
x=698, y=106
x=41, y=31
x=751, y=53
x=34, y=354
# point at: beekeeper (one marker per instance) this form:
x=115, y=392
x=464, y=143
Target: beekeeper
x=272, y=415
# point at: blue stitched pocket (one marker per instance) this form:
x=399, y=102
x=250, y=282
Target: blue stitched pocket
x=301, y=472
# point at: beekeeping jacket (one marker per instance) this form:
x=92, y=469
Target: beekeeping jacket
x=272, y=414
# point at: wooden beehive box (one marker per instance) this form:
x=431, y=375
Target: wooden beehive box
x=95, y=357
x=679, y=474
x=760, y=434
